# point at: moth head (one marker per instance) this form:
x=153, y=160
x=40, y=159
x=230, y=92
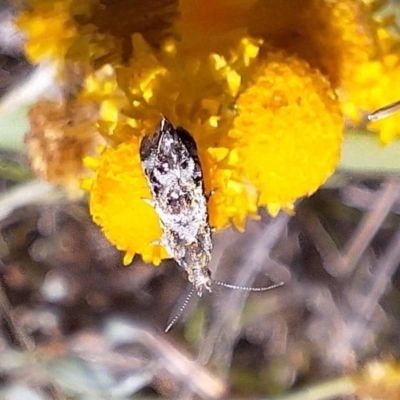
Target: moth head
x=150, y=144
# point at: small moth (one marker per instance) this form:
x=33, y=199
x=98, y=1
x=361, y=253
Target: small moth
x=173, y=171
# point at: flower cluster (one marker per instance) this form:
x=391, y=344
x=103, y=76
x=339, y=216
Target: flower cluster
x=264, y=101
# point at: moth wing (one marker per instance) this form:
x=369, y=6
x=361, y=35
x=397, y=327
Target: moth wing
x=189, y=143
x=146, y=148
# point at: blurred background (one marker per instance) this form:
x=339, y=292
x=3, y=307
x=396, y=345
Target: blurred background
x=77, y=324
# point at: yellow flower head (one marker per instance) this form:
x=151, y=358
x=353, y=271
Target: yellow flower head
x=267, y=124
x=117, y=205
x=289, y=130
x=375, y=84
x=50, y=29
x=355, y=43
x=372, y=81
x=91, y=31
x=205, y=110
x=258, y=120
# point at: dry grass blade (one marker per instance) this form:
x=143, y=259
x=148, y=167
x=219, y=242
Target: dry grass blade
x=368, y=227
x=223, y=332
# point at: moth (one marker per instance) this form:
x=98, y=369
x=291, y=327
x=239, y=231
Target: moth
x=172, y=167
x=173, y=171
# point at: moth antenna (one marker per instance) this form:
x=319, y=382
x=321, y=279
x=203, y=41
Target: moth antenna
x=180, y=312
x=247, y=288
x=384, y=112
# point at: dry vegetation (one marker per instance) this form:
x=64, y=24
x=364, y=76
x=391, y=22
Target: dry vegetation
x=76, y=323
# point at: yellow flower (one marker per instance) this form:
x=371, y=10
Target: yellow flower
x=50, y=29
x=289, y=130
x=268, y=128
x=160, y=88
x=117, y=205
x=330, y=35
x=370, y=67
x=91, y=31
x=355, y=43
x=374, y=82
x=267, y=125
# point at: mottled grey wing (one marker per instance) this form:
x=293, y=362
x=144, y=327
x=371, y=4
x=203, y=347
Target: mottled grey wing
x=146, y=148
x=190, y=144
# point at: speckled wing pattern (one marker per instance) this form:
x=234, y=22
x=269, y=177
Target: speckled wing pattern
x=173, y=171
